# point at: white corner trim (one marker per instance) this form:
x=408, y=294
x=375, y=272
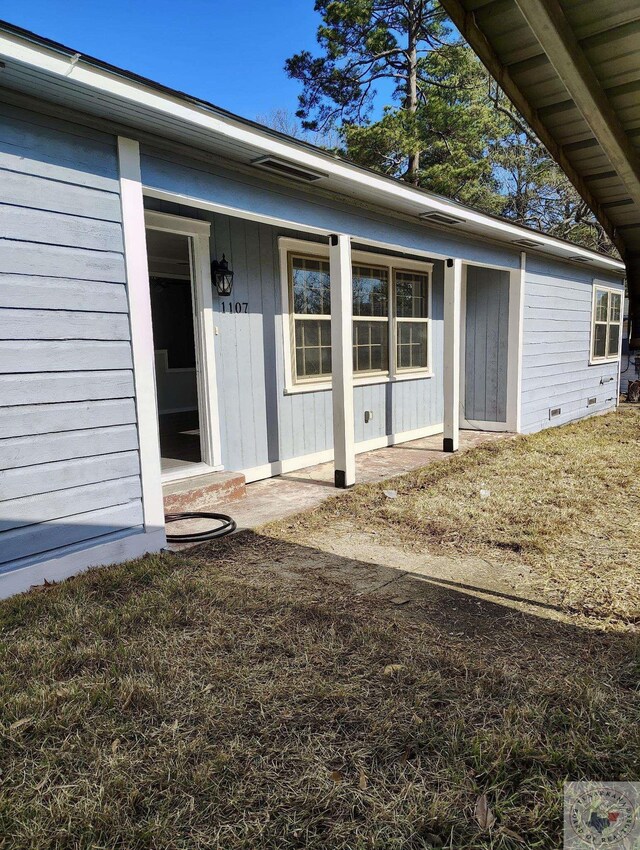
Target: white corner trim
x=281, y=467
x=517, y=284
x=66, y=564
x=139, y=294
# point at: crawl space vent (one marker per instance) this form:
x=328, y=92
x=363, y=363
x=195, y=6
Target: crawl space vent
x=591, y=401
x=287, y=169
x=554, y=411
x=441, y=218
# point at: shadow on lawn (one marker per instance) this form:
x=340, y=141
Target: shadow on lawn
x=257, y=693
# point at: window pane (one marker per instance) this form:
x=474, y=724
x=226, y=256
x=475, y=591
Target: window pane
x=600, y=341
x=411, y=295
x=311, y=288
x=412, y=345
x=614, y=339
x=370, y=291
x=614, y=307
x=370, y=346
x=602, y=305
x=313, y=348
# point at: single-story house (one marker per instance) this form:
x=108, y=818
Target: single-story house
x=363, y=312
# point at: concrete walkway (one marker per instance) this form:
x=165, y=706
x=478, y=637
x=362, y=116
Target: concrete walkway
x=276, y=498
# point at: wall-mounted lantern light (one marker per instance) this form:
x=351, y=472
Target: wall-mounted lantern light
x=222, y=276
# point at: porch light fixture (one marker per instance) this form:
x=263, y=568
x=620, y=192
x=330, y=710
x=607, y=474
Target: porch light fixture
x=222, y=276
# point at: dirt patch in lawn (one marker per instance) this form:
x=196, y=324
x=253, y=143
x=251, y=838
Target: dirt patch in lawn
x=243, y=695
x=560, y=508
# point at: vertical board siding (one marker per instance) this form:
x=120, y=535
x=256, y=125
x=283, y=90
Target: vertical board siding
x=260, y=424
x=486, y=345
x=556, y=348
x=69, y=463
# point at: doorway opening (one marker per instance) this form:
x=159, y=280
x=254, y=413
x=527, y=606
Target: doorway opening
x=174, y=342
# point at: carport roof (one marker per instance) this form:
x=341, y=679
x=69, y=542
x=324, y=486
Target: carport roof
x=572, y=69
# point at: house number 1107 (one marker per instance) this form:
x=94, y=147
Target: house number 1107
x=235, y=307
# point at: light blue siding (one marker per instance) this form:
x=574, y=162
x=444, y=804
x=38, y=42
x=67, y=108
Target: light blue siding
x=556, y=342
x=69, y=460
x=260, y=423
x=486, y=344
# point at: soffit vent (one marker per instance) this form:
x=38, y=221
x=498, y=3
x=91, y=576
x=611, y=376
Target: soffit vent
x=441, y=218
x=527, y=243
x=287, y=169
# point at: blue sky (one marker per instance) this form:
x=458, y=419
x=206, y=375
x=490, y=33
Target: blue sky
x=230, y=52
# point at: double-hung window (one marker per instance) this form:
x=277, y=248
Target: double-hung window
x=606, y=324
x=391, y=316
x=412, y=320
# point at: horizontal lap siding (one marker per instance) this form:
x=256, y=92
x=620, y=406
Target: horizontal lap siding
x=69, y=460
x=555, y=352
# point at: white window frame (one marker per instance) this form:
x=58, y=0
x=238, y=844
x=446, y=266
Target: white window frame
x=319, y=250
x=615, y=290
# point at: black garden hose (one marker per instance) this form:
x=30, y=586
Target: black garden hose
x=227, y=525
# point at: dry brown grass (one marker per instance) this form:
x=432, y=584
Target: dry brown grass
x=565, y=501
x=241, y=696
x=204, y=701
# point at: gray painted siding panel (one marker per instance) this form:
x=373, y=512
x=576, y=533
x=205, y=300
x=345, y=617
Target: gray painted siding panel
x=60, y=475
x=51, y=293
x=54, y=534
x=62, y=324
x=557, y=334
x=259, y=423
x=22, y=189
x=68, y=437
x=29, y=419
x=65, y=386
x=68, y=355
x=486, y=344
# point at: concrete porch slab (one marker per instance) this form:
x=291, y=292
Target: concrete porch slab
x=285, y=495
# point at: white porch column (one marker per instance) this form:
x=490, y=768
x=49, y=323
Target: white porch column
x=342, y=360
x=135, y=257
x=452, y=300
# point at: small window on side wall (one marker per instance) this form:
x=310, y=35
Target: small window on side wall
x=606, y=324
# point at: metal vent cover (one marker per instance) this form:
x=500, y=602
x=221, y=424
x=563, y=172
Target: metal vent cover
x=287, y=169
x=554, y=411
x=441, y=218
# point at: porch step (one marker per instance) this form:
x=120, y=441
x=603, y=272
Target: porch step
x=202, y=492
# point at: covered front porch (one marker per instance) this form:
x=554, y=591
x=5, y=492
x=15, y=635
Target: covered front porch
x=273, y=499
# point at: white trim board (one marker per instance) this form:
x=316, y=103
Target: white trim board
x=287, y=245
x=280, y=467
x=72, y=561
x=139, y=295
x=198, y=233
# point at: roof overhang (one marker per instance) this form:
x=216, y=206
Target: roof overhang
x=572, y=69
x=49, y=71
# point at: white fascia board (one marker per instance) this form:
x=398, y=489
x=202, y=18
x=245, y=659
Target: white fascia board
x=14, y=47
